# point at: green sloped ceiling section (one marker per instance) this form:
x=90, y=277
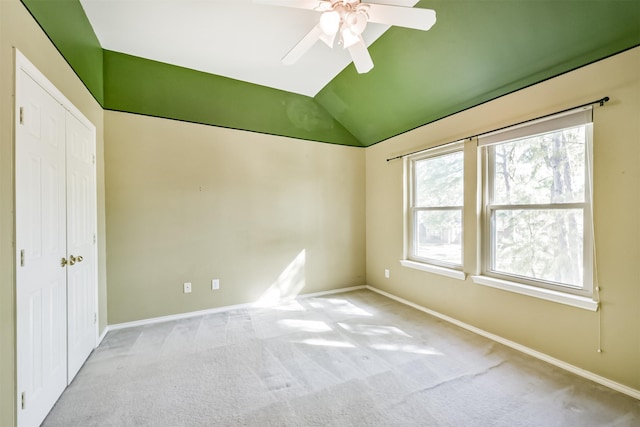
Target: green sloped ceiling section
x=138, y=85
x=66, y=24
x=477, y=51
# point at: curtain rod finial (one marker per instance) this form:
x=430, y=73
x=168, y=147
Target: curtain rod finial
x=603, y=100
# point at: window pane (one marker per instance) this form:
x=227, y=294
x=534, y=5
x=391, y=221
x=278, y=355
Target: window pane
x=540, y=244
x=438, y=235
x=439, y=180
x=546, y=169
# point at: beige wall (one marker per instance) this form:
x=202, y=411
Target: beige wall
x=567, y=333
x=18, y=29
x=190, y=203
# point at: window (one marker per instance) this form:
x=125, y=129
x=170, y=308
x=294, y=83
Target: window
x=537, y=227
x=435, y=206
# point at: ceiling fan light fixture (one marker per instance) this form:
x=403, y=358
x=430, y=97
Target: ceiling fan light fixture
x=347, y=21
x=356, y=22
x=330, y=22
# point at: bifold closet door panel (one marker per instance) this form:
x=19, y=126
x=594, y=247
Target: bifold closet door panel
x=41, y=239
x=81, y=234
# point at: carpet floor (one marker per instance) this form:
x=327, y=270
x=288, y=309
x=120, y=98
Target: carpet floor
x=352, y=359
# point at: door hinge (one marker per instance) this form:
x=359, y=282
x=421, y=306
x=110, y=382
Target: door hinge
x=94, y=238
x=95, y=318
x=94, y=159
x=21, y=115
x=23, y=399
x=21, y=257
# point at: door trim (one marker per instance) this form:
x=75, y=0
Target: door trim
x=23, y=64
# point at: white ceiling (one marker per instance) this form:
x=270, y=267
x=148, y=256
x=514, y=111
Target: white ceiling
x=231, y=38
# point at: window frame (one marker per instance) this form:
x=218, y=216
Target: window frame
x=487, y=244
x=411, y=233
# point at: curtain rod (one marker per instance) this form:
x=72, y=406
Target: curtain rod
x=600, y=101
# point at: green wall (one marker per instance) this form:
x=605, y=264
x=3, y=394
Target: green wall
x=478, y=50
x=127, y=83
x=66, y=24
x=141, y=86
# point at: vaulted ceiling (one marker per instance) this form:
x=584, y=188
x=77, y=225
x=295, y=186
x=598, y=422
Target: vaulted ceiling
x=217, y=62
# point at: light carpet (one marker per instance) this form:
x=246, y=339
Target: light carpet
x=352, y=359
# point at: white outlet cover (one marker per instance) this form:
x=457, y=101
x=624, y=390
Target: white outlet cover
x=215, y=284
x=386, y=273
x=186, y=287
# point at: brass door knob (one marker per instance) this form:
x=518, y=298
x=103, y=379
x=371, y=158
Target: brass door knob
x=63, y=262
x=72, y=260
x=79, y=259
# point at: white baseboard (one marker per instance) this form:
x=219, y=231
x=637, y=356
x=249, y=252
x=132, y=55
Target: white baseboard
x=514, y=345
x=160, y=319
x=171, y=317
x=102, y=335
x=332, y=291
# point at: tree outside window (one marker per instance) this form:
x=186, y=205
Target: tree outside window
x=538, y=208
x=436, y=208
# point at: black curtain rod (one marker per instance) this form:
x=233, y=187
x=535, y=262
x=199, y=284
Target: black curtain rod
x=600, y=101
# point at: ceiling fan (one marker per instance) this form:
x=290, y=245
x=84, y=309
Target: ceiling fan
x=345, y=20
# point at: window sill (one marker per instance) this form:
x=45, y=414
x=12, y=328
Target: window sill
x=443, y=271
x=532, y=291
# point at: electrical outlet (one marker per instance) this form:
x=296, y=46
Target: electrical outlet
x=186, y=287
x=215, y=284
x=386, y=273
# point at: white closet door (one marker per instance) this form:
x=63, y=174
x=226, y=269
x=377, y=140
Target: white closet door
x=41, y=297
x=81, y=249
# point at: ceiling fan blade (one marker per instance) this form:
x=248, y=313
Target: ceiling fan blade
x=320, y=5
x=303, y=46
x=361, y=58
x=408, y=17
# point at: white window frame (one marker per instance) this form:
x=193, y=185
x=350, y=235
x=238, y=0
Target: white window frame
x=580, y=297
x=411, y=260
